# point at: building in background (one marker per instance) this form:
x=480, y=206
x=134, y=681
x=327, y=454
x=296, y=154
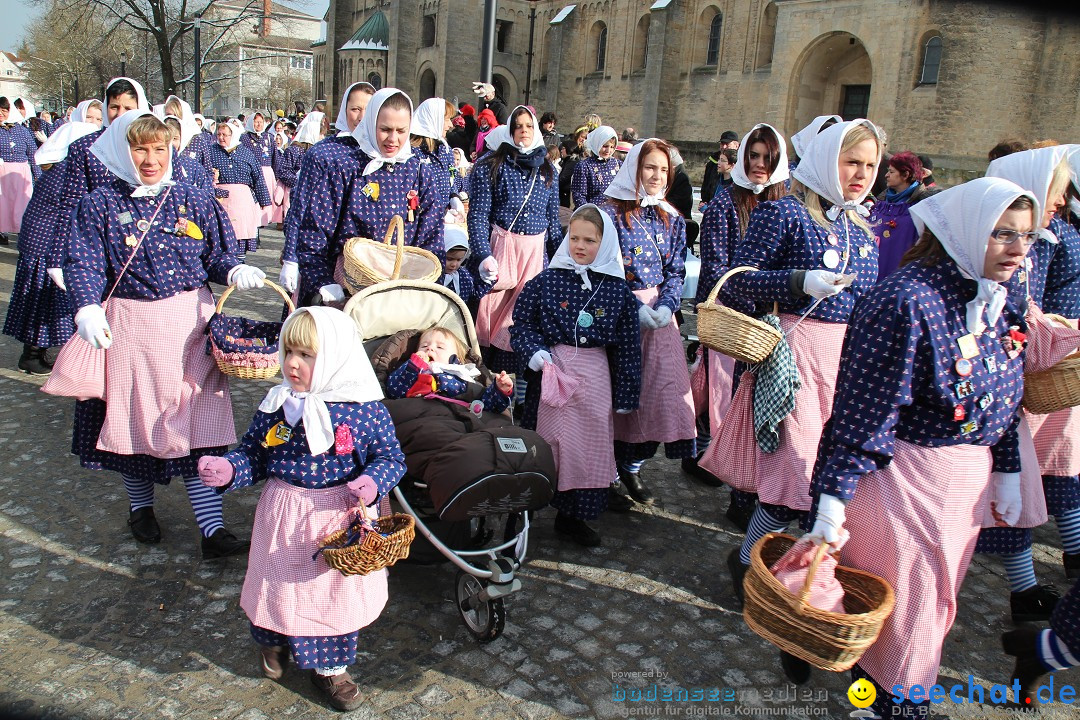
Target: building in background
x=13, y=76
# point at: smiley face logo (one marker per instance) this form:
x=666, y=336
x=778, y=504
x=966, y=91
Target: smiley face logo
x=862, y=693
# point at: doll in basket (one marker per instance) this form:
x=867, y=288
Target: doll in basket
x=326, y=447
x=434, y=369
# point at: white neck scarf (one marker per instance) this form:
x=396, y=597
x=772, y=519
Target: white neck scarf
x=114, y=152
x=429, y=118
x=780, y=174
x=503, y=135
x=342, y=122
x=801, y=139
x=1034, y=170
x=342, y=373
x=962, y=218
x=140, y=96
x=600, y=137
x=367, y=139
x=55, y=148
x=819, y=169
x=608, y=259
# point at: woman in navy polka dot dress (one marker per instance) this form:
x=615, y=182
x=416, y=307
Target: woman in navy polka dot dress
x=18, y=169
x=259, y=140
x=596, y=171
x=237, y=171
x=429, y=126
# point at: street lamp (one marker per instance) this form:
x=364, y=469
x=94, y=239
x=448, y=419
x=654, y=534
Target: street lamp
x=529, y=63
x=123, y=64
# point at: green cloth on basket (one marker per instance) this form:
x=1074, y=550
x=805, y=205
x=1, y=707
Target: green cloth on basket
x=774, y=393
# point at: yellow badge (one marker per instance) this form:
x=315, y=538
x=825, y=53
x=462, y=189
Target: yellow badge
x=969, y=347
x=371, y=191
x=191, y=230
x=278, y=435
x=130, y=241
x=886, y=234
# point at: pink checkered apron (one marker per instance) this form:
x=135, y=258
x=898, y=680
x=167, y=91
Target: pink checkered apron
x=1057, y=441
x=721, y=379
x=286, y=194
x=1033, y=508
x=520, y=258
x=164, y=395
x=266, y=214
x=666, y=408
x=16, y=186
x=915, y=524
x=784, y=476
x=575, y=404
x=288, y=592
x=242, y=210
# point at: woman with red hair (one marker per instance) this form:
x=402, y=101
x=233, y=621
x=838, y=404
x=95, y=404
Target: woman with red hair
x=894, y=232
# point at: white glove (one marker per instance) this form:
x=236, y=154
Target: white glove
x=489, y=269
x=456, y=205
x=332, y=293
x=57, y=276
x=829, y=524
x=539, y=359
x=623, y=411
x=289, y=277
x=647, y=318
x=93, y=327
x=822, y=283
x=246, y=277
x=662, y=313
x=1006, y=503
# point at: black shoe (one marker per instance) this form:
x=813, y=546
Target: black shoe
x=738, y=572
x=4, y=239
x=32, y=361
x=223, y=544
x=144, y=526
x=577, y=530
x=1022, y=643
x=690, y=467
x=740, y=515
x=636, y=487
x=796, y=669
x=618, y=500
x=48, y=356
x=1034, y=604
x=1072, y=565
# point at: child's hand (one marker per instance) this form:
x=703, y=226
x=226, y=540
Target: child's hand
x=420, y=361
x=504, y=383
x=215, y=471
x=363, y=489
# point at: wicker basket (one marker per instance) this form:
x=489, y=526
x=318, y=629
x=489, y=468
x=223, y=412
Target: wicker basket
x=375, y=551
x=255, y=362
x=731, y=332
x=367, y=262
x=827, y=640
x=1058, y=387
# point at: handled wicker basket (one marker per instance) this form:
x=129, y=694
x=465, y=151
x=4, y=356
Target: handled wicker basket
x=375, y=550
x=1056, y=388
x=367, y=262
x=731, y=332
x=827, y=640
x=243, y=348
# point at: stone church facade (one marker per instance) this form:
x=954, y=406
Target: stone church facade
x=945, y=77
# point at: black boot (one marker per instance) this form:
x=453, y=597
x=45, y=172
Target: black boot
x=577, y=530
x=32, y=361
x=144, y=525
x=690, y=467
x=223, y=544
x=1034, y=604
x=618, y=500
x=796, y=669
x=636, y=487
x=738, y=572
x=1022, y=643
x=4, y=239
x=738, y=514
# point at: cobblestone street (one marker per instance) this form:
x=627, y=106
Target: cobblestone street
x=96, y=626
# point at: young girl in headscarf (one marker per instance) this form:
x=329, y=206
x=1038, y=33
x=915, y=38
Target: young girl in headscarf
x=194, y=144
x=429, y=125
x=17, y=171
x=652, y=236
x=166, y=403
x=577, y=340
x=801, y=140
x=326, y=448
x=187, y=169
x=594, y=173
x=237, y=172
x=923, y=429
x=259, y=139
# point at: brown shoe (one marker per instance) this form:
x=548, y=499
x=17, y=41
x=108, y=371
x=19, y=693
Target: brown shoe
x=273, y=661
x=342, y=691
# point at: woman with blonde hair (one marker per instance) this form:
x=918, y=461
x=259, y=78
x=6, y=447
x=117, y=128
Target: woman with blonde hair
x=430, y=123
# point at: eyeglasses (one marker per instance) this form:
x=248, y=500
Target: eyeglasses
x=1005, y=236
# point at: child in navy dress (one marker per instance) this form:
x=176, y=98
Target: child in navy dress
x=455, y=275
x=595, y=172
x=326, y=448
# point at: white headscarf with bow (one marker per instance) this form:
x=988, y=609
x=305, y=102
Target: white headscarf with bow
x=342, y=122
x=367, y=139
x=1033, y=170
x=237, y=131
x=600, y=137
x=429, y=119
x=140, y=97
x=962, y=218
x=780, y=174
x=801, y=139
x=55, y=147
x=342, y=373
x=114, y=152
x=608, y=259
x=819, y=169
x=310, y=129
x=503, y=135
x=622, y=186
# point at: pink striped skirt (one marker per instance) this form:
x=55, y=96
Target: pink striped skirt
x=783, y=476
x=164, y=396
x=1057, y=441
x=242, y=210
x=520, y=258
x=288, y=592
x=16, y=187
x=666, y=408
x=1033, y=509
x=266, y=214
x=915, y=524
x=575, y=403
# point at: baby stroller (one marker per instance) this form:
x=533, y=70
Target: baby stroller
x=463, y=466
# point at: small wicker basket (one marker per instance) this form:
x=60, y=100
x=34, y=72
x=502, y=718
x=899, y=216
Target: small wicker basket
x=375, y=550
x=256, y=361
x=827, y=640
x=1056, y=388
x=367, y=262
x=731, y=332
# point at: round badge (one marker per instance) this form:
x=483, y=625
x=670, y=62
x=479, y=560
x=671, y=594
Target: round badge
x=832, y=239
x=886, y=234
x=963, y=367
x=584, y=319
x=864, y=251
x=831, y=259
x=143, y=225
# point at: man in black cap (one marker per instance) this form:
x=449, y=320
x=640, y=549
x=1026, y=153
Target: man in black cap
x=928, y=171
x=729, y=140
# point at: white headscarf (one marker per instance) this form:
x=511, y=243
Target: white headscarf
x=28, y=108
x=801, y=139
x=114, y=152
x=79, y=113
x=55, y=147
x=502, y=134
x=140, y=97
x=249, y=122
x=14, y=116
x=342, y=373
x=780, y=174
x=199, y=117
x=310, y=129
x=366, y=136
x=342, y=122
x=237, y=131
x=1033, y=170
x=622, y=186
x=608, y=259
x=454, y=236
x=188, y=127
x=210, y=124
x=600, y=137
x=159, y=111
x=962, y=218
x=429, y=118
x=819, y=169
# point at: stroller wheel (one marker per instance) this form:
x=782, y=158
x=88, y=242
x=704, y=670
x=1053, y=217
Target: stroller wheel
x=485, y=619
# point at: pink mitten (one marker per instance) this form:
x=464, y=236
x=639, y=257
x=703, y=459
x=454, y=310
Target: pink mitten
x=363, y=489
x=215, y=471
